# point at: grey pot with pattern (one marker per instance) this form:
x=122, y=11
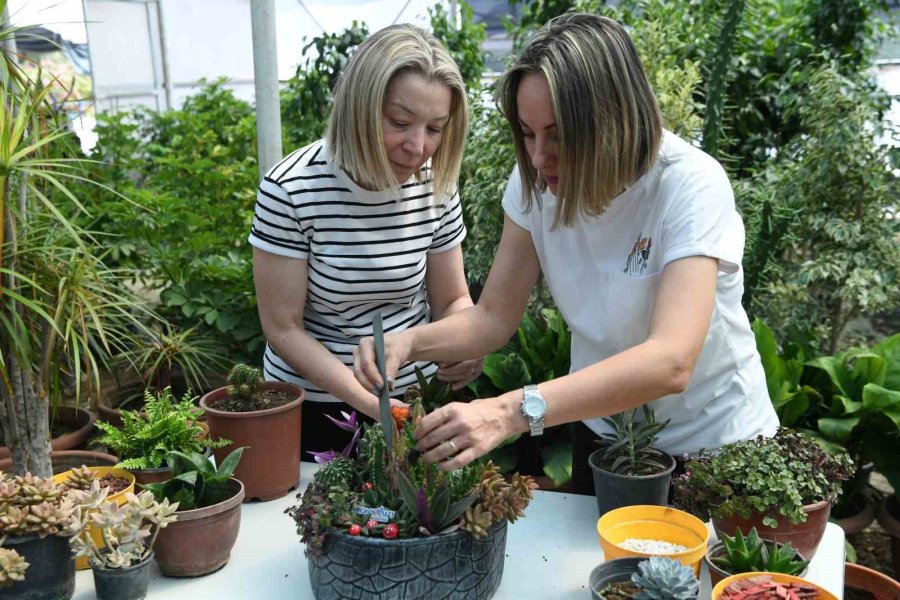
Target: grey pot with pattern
x=452, y=566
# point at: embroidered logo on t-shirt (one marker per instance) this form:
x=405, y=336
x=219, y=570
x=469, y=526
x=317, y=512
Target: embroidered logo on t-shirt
x=639, y=256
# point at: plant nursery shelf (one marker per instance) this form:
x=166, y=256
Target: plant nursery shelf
x=550, y=554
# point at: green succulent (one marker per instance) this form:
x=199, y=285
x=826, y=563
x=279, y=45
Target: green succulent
x=628, y=449
x=751, y=554
x=661, y=578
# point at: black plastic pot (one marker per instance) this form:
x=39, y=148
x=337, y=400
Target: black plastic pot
x=615, y=491
x=612, y=571
x=123, y=584
x=451, y=566
x=51, y=571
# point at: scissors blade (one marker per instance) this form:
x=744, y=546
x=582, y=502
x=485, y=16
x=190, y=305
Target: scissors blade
x=384, y=399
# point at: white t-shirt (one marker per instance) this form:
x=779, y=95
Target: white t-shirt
x=603, y=273
x=366, y=251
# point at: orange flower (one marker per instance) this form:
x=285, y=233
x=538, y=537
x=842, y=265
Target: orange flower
x=400, y=415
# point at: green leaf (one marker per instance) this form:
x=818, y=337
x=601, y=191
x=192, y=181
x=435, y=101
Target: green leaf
x=231, y=462
x=838, y=428
x=889, y=349
x=557, y=459
x=833, y=366
x=878, y=399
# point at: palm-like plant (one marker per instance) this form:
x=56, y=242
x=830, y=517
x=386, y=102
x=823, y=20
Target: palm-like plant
x=62, y=311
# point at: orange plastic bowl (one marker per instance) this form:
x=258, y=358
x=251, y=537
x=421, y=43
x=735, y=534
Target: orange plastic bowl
x=777, y=577
x=653, y=523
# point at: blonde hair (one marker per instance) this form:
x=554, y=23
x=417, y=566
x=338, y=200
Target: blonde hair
x=608, y=123
x=354, y=133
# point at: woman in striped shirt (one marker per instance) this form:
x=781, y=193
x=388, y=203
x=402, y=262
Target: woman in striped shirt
x=367, y=219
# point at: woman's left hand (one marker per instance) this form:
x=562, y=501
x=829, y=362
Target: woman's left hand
x=458, y=433
x=459, y=374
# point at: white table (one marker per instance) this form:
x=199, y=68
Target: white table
x=550, y=555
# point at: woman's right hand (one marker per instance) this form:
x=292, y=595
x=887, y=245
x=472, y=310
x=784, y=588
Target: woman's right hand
x=397, y=348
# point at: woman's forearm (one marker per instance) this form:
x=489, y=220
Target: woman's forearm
x=468, y=333
x=315, y=363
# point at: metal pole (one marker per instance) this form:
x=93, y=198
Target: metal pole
x=265, y=74
x=164, y=59
x=9, y=44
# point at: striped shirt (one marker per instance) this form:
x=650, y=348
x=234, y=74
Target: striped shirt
x=366, y=252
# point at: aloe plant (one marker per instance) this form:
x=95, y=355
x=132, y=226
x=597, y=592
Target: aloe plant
x=195, y=482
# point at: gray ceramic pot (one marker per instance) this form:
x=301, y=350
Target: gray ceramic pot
x=612, y=571
x=453, y=566
x=123, y=584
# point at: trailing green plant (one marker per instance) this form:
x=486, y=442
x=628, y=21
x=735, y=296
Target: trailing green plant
x=751, y=555
x=164, y=425
x=628, y=449
x=394, y=494
x=195, y=482
x=774, y=477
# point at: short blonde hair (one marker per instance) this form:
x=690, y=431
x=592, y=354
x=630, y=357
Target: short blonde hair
x=608, y=122
x=354, y=133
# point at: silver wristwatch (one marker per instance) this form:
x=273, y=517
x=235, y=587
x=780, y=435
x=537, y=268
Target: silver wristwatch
x=533, y=409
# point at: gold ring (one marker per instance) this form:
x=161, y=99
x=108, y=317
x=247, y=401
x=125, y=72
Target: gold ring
x=453, y=447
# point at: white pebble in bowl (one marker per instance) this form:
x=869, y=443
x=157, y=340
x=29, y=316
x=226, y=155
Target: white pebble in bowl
x=651, y=546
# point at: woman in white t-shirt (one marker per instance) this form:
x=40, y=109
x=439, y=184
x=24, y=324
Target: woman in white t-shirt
x=366, y=220
x=638, y=238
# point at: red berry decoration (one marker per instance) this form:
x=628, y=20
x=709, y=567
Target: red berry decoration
x=355, y=529
x=391, y=530
x=371, y=524
x=369, y=485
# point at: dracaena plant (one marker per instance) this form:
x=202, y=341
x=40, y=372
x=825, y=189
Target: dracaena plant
x=751, y=554
x=628, y=450
x=128, y=531
x=418, y=499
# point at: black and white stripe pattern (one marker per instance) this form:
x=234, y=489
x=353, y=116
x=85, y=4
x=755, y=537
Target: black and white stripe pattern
x=366, y=252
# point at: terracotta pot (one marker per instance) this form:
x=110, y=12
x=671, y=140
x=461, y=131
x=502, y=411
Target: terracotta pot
x=717, y=574
x=200, y=541
x=270, y=465
x=81, y=425
x=888, y=516
x=881, y=586
x=859, y=520
x=64, y=460
x=451, y=566
x=804, y=537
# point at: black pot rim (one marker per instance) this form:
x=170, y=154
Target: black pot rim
x=668, y=471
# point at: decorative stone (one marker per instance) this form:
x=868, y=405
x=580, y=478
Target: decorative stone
x=452, y=566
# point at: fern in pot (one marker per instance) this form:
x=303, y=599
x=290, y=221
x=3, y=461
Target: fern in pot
x=627, y=469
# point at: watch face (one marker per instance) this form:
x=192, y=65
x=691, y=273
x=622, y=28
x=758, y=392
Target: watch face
x=534, y=407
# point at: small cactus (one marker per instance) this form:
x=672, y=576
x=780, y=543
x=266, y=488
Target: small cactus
x=244, y=381
x=662, y=578
x=337, y=472
x=80, y=479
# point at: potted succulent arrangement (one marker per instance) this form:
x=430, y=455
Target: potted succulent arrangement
x=120, y=563
x=146, y=437
x=627, y=470
x=783, y=486
x=655, y=578
x=739, y=554
x=35, y=561
x=387, y=506
x=209, y=500
x=116, y=483
x=264, y=417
